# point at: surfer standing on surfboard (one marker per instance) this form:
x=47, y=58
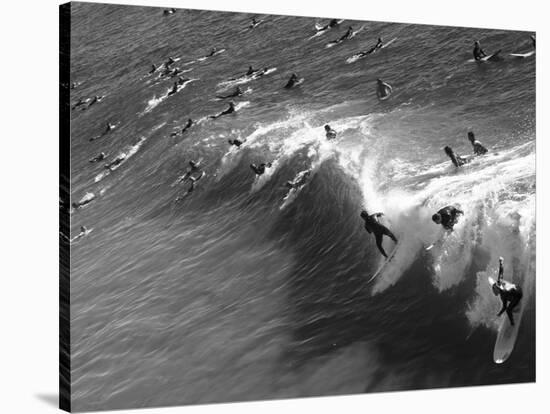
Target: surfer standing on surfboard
x=372, y=225
x=510, y=294
x=478, y=51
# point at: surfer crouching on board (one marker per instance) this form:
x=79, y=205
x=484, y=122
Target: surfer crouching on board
x=447, y=217
x=478, y=51
x=479, y=149
x=510, y=294
x=372, y=225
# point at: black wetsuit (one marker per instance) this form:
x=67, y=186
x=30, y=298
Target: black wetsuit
x=479, y=149
x=449, y=216
x=372, y=225
x=235, y=142
x=510, y=295
x=292, y=81
x=259, y=169
x=478, y=52
x=456, y=159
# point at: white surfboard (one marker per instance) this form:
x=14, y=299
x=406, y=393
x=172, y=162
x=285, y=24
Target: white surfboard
x=523, y=55
x=383, y=265
x=507, y=334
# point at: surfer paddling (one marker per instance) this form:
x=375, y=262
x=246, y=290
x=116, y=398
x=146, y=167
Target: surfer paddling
x=479, y=149
x=447, y=217
x=509, y=293
x=228, y=111
x=192, y=187
x=373, y=225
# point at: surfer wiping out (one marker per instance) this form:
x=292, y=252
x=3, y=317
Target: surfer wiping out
x=229, y=110
x=237, y=92
x=509, y=293
x=373, y=225
x=456, y=159
x=447, y=217
x=479, y=149
x=478, y=51
x=330, y=133
x=260, y=169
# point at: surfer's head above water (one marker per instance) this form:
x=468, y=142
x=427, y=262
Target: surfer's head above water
x=364, y=214
x=436, y=218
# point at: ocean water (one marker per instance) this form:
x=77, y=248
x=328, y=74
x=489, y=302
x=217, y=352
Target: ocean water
x=236, y=293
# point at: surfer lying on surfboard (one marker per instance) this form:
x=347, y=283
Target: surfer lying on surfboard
x=510, y=294
x=373, y=225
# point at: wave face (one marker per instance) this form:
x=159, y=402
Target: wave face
x=244, y=291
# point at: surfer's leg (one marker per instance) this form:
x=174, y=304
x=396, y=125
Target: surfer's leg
x=378, y=237
x=388, y=233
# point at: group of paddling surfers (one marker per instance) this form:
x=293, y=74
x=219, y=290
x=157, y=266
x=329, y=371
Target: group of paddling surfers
x=447, y=216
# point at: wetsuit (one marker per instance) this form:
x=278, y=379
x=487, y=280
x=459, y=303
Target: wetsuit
x=478, y=52
x=187, y=126
x=259, y=169
x=510, y=295
x=331, y=134
x=292, y=81
x=479, y=149
x=235, y=142
x=372, y=225
x=449, y=216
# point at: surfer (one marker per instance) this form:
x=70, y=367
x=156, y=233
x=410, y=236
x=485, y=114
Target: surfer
x=373, y=225
x=456, y=159
x=169, y=11
x=346, y=35
x=175, y=88
x=383, y=89
x=330, y=133
x=80, y=103
x=194, y=166
x=87, y=198
x=260, y=169
x=478, y=51
x=192, y=186
x=188, y=125
x=101, y=156
x=479, y=149
x=251, y=71
x=373, y=49
x=96, y=99
x=447, y=217
x=229, y=110
x=300, y=179
x=83, y=232
x=332, y=23
x=153, y=69
x=116, y=162
x=235, y=142
x=237, y=92
x=510, y=294
x=292, y=81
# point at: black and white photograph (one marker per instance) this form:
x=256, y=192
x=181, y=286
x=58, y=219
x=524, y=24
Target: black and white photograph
x=258, y=206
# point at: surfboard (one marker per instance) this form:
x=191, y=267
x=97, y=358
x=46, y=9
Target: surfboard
x=385, y=45
x=383, y=265
x=507, y=334
x=523, y=55
x=490, y=57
